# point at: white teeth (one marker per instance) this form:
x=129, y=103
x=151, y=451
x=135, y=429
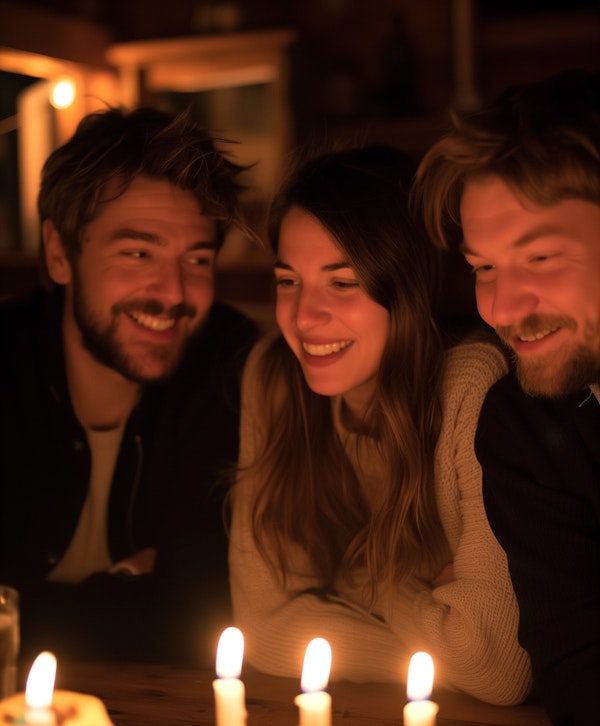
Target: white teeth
x=326, y=348
x=153, y=323
x=537, y=336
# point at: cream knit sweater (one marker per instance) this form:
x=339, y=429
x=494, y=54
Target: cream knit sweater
x=469, y=625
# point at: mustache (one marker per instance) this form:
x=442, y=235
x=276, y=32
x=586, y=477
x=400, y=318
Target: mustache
x=155, y=307
x=534, y=324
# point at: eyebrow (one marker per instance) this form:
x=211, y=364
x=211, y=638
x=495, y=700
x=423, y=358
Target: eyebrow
x=279, y=265
x=542, y=230
x=136, y=234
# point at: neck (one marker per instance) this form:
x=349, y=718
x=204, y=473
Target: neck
x=353, y=420
x=101, y=397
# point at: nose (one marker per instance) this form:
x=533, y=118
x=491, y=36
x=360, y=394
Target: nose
x=311, y=309
x=513, y=298
x=167, y=284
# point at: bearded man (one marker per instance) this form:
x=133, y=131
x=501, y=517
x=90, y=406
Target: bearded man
x=120, y=396
x=517, y=187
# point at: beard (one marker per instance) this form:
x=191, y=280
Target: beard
x=555, y=375
x=152, y=365
x=542, y=380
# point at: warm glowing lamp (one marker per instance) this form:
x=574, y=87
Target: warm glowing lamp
x=315, y=703
x=62, y=93
x=230, y=708
x=420, y=711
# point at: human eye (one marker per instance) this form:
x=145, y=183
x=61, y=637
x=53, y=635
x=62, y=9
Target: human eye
x=345, y=284
x=538, y=259
x=479, y=270
x=135, y=254
x=484, y=273
x=548, y=255
x=482, y=270
x=200, y=260
x=284, y=282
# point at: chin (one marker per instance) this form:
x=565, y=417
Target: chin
x=543, y=382
x=323, y=389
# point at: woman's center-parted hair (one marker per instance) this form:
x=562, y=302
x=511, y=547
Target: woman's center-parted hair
x=358, y=196
x=111, y=148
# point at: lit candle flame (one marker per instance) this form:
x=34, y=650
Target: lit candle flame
x=40, y=682
x=317, y=664
x=230, y=653
x=420, y=677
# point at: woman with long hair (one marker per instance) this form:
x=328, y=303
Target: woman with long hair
x=357, y=510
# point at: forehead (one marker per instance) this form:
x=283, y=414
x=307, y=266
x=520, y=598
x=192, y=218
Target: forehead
x=493, y=214
x=156, y=207
x=487, y=201
x=148, y=197
x=301, y=235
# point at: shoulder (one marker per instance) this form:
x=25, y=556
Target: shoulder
x=474, y=364
x=508, y=407
x=265, y=383
x=258, y=398
x=507, y=394
x=470, y=369
x=259, y=356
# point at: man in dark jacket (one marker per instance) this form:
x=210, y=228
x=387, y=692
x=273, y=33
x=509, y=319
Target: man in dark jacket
x=522, y=178
x=120, y=397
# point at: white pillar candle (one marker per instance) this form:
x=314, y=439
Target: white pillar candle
x=39, y=691
x=420, y=711
x=314, y=703
x=230, y=706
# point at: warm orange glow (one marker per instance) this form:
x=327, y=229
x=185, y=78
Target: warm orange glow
x=40, y=682
x=420, y=677
x=317, y=664
x=230, y=653
x=62, y=94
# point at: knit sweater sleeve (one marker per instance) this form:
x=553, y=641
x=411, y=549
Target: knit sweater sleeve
x=470, y=624
x=456, y=623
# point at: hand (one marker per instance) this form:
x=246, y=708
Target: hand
x=445, y=576
x=141, y=563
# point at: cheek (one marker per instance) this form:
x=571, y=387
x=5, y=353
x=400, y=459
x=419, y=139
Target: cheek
x=283, y=314
x=484, y=296
x=378, y=324
x=201, y=293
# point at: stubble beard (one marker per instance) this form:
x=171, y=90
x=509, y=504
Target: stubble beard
x=155, y=364
x=546, y=376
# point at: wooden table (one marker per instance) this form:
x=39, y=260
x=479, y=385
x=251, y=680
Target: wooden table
x=163, y=695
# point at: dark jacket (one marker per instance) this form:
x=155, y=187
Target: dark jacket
x=167, y=492
x=541, y=485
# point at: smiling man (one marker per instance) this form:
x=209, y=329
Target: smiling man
x=120, y=394
x=517, y=186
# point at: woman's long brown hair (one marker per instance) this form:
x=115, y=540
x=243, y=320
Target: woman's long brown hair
x=309, y=492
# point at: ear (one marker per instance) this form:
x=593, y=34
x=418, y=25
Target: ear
x=57, y=263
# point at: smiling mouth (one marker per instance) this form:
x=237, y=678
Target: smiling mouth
x=152, y=322
x=533, y=337
x=325, y=349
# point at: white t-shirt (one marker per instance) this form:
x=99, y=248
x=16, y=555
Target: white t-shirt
x=88, y=551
